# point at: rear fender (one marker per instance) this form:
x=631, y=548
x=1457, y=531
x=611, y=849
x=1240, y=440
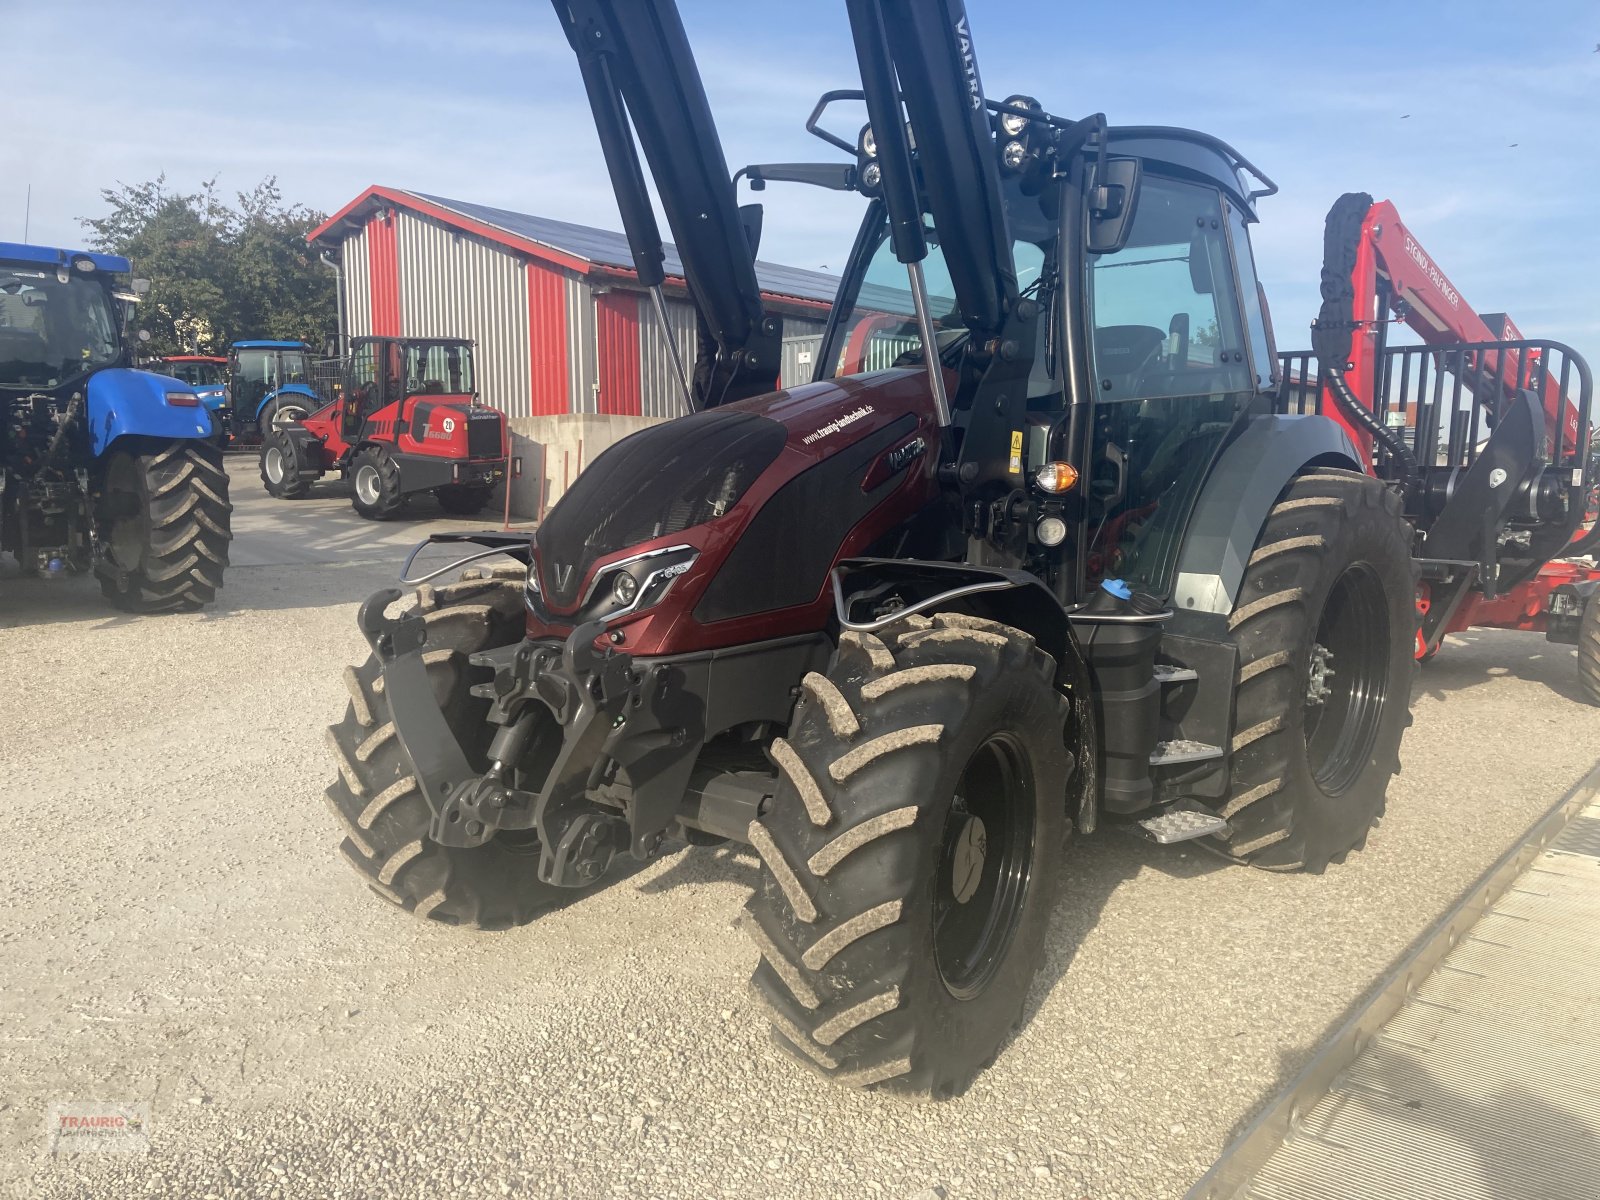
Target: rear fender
x=1233, y=506
x=127, y=403
x=313, y=401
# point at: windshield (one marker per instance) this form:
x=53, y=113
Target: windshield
x=53, y=332
x=195, y=374
x=438, y=369
x=879, y=329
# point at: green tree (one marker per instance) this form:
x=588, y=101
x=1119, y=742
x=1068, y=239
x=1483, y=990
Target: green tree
x=219, y=273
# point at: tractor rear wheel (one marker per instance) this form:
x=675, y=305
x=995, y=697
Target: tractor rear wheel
x=281, y=411
x=375, y=798
x=375, y=480
x=463, y=499
x=1589, y=649
x=280, y=467
x=910, y=857
x=162, y=525
x=1326, y=629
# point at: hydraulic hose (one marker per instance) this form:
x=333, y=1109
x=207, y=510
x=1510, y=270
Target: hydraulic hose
x=1385, y=436
x=70, y=418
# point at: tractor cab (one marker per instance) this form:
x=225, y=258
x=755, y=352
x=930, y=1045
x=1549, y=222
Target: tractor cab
x=270, y=383
x=397, y=371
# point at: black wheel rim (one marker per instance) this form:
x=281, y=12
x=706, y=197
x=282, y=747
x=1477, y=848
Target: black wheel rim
x=985, y=862
x=1347, y=680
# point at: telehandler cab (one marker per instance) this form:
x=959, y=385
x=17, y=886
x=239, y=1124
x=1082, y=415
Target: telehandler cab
x=1070, y=562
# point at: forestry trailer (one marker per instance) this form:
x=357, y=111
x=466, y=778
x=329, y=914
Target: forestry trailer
x=102, y=467
x=1070, y=562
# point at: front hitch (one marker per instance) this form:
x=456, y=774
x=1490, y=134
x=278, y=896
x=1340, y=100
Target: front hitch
x=441, y=766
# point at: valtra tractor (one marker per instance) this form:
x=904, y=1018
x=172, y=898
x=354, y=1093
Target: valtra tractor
x=407, y=420
x=102, y=467
x=1069, y=563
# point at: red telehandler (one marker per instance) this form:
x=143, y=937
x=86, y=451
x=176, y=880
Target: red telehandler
x=1475, y=392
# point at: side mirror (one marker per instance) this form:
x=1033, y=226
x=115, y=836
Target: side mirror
x=141, y=287
x=1113, y=192
x=750, y=216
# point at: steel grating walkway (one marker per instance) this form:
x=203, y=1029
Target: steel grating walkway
x=1475, y=1071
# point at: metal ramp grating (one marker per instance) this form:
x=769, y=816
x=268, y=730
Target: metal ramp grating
x=1486, y=1084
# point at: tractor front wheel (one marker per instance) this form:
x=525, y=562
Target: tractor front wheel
x=281, y=411
x=463, y=499
x=162, y=525
x=375, y=480
x=1589, y=649
x=280, y=467
x=1326, y=628
x=911, y=854
x=375, y=798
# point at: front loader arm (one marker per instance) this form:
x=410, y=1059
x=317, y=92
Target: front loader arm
x=638, y=70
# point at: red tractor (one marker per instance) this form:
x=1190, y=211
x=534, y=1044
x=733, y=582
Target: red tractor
x=406, y=420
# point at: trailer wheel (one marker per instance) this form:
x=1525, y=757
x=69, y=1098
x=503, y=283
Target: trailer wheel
x=375, y=799
x=161, y=525
x=463, y=499
x=375, y=480
x=911, y=854
x=280, y=467
x=1326, y=630
x=1589, y=649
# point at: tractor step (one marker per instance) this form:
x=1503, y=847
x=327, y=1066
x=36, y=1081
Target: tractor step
x=1176, y=753
x=1182, y=825
x=1167, y=673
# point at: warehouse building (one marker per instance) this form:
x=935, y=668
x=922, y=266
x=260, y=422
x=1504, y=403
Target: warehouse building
x=568, y=343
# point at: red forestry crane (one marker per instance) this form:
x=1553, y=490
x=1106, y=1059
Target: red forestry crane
x=1433, y=428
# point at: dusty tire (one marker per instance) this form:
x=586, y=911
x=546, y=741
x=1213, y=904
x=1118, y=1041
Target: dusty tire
x=374, y=797
x=1589, y=650
x=162, y=525
x=375, y=484
x=867, y=843
x=280, y=468
x=463, y=499
x=1332, y=565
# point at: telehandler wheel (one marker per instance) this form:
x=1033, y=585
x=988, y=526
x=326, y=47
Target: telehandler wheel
x=1326, y=630
x=1589, y=649
x=375, y=484
x=375, y=799
x=280, y=468
x=912, y=853
x=463, y=499
x=162, y=525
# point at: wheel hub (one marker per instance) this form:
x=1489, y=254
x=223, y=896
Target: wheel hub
x=1318, y=687
x=275, y=465
x=367, y=485
x=972, y=847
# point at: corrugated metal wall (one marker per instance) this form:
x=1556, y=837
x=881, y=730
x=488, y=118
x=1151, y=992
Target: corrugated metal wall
x=383, y=256
x=616, y=346
x=538, y=342
x=663, y=387
x=458, y=285
x=356, y=270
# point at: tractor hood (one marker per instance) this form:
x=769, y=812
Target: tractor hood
x=748, y=506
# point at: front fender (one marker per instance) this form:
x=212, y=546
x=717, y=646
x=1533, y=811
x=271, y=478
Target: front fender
x=1241, y=491
x=128, y=403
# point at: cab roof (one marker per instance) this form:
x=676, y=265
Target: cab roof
x=51, y=256
x=266, y=345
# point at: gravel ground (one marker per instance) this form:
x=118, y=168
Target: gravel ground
x=179, y=930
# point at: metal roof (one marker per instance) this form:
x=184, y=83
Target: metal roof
x=577, y=246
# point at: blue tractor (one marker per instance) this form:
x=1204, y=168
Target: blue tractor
x=102, y=467
x=269, y=386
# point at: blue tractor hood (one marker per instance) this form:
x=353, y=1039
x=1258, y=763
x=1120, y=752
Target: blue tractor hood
x=126, y=403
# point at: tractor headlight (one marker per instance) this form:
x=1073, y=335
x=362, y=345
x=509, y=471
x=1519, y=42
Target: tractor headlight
x=868, y=142
x=1012, y=124
x=636, y=583
x=871, y=175
x=1014, y=155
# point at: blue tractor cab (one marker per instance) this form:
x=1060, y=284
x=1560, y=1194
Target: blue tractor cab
x=102, y=466
x=270, y=385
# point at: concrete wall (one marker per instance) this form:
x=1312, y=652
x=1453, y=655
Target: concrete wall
x=555, y=448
